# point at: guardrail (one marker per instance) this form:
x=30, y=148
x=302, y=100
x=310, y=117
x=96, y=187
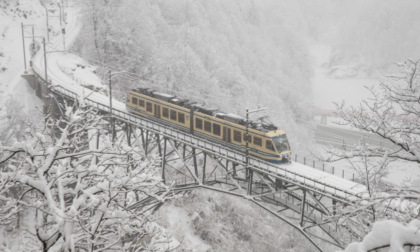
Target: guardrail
x=326, y=167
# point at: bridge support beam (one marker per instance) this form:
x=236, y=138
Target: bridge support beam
x=250, y=180
x=302, y=208
x=97, y=145
x=234, y=169
x=195, y=161
x=146, y=144
x=204, y=168
x=128, y=132
x=164, y=160
x=143, y=140
x=113, y=131
x=279, y=184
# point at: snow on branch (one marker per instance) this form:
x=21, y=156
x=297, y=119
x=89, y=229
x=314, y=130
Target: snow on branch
x=80, y=192
x=389, y=233
x=392, y=113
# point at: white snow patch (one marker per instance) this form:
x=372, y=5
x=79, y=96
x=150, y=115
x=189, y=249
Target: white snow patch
x=178, y=224
x=162, y=241
x=403, y=174
x=81, y=71
x=388, y=232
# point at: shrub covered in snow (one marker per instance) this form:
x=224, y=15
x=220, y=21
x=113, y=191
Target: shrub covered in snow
x=79, y=190
x=208, y=221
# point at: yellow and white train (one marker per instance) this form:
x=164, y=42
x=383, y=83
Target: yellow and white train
x=265, y=140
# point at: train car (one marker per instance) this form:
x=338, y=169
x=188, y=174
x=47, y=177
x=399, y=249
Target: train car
x=264, y=140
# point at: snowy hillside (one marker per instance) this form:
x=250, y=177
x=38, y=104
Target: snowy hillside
x=209, y=221
x=12, y=88
x=228, y=54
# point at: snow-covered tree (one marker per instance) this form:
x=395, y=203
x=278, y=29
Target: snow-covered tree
x=79, y=185
x=228, y=54
x=393, y=115
x=11, y=121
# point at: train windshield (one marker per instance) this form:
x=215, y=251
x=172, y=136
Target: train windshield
x=281, y=143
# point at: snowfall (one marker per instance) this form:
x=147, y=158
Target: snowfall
x=326, y=90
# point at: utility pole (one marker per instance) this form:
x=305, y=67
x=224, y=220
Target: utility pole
x=61, y=23
x=249, y=172
x=63, y=31
x=24, y=49
x=110, y=92
x=110, y=107
x=33, y=39
x=48, y=29
x=45, y=60
x=64, y=4
x=110, y=103
x=247, y=142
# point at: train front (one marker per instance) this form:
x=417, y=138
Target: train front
x=282, y=146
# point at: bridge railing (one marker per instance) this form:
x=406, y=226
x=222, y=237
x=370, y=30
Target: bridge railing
x=326, y=167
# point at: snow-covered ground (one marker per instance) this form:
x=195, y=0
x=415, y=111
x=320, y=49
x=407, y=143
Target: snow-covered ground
x=178, y=222
x=12, y=86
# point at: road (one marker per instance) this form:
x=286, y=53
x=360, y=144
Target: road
x=339, y=137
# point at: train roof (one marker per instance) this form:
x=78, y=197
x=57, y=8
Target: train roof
x=260, y=125
x=163, y=96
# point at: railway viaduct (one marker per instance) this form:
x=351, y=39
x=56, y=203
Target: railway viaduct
x=303, y=197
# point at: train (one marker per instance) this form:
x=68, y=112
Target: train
x=265, y=140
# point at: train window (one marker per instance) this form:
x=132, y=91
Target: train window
x=216, y=129
x=249, y=138
x=237, y=136
x=134, y=100
x=181, y=117
x=149, y=107
x=207, y=126
x=257, y=141
x=165, y=112
x=269, y=145
x=173, y=115
x=141, y=103
x=198, y=123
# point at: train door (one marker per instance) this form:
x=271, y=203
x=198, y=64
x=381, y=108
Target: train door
x=226, y=134
x=157, y=111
